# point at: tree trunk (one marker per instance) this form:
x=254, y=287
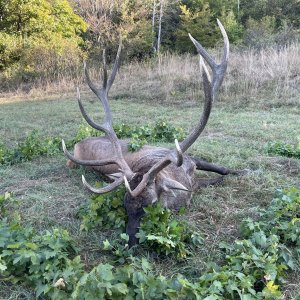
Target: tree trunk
x=153, y=24
x=159, y=26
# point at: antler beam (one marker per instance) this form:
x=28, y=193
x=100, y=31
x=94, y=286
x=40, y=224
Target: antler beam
x=106, y=127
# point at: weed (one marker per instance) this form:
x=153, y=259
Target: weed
x=165, y=132
x=284, y=149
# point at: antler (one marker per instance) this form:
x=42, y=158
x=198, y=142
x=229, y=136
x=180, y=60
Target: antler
x=210, y=92
x=106, y=127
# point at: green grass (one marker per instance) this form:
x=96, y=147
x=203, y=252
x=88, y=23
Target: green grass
x=50, y=194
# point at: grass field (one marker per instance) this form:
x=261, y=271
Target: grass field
x=236, y=136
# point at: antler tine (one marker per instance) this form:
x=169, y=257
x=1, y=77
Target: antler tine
x=105, y=189
x=179, y=153
x=217, y=69
x=88, y=119
x=115, y=67
x=226, y=42
x=203, y=52
x=210, y=90
x=104, y=69
x=89, y=81
x=221, y=69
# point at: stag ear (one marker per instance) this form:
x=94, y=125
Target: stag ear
x=168, y=184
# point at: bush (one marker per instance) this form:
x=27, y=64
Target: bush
x=39, y=39
x=199, y=25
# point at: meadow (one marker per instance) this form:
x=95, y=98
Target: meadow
x=259, y=103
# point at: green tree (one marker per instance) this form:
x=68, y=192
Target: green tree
x=198, y=24
x=198, y=17
x=284, y=11
x=40, y=18
x=37, y=34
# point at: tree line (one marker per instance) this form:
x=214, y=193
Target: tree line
x=51, y=37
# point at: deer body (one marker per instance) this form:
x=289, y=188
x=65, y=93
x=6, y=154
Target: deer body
x=151, y=173
x=167, y=181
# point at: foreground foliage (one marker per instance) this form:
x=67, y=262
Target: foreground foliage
x=253, y=268
x=161, y=131
x=159, y=230
x=162, y=233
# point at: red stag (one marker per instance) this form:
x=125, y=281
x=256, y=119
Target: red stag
x=151, y=173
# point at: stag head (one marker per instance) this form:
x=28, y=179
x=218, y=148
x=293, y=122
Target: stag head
x=145, y=182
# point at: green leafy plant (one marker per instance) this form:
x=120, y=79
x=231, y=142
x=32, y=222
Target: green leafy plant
x=5, y=154
x=284, y=149
x=281, y=219
x=3, y=200
x=123, y=130
x=166, y=235
x=253, y=267
x=84, y=131
x=36, y=259
x=119, y=248
x=133, y=281
x=159, y=230
x=34, y=145
x=136, y=143
x=141, y=135
x=106, y=211
x=165, y=132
